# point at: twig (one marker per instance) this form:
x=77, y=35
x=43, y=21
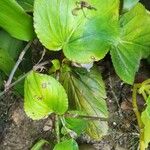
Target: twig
x=40, y=66
x=114, y=95
x=7, y=84
x=14, y=83
x=86, y=117
x=57, y=130
x=43, y=54
x=36, y=67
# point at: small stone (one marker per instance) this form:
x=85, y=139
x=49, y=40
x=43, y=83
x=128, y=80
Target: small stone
x=48, y=125
x=46, y=128
x=114, y=123
x=17, y=116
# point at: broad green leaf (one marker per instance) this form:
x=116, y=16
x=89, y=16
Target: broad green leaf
x=27, y=5
x=43, y=95
x=86, y=92
x=133, y=43
x=10, y=44
x=146, y=120
x=67, y=145
x=15, y=21
x=39, y=145
x=6, y=62
x=128, y=4
x=76, y=124
x=85, y=35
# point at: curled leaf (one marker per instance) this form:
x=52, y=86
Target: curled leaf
x=67, y=145
x=39, y=144
x=86, y=92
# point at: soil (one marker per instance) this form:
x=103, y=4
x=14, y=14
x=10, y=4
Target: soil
x=18, y=132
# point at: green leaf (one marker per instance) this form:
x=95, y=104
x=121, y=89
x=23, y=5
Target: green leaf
x=67, y=145
x=133, y=43
x=84, y=35
x=39, y=145
x=27, y=5
x=76, y=124
x=86, y=92
x=129, y=4
x=6, y=62
x=146, y=121
x=10, y=44
x=43, y=96
x=15, y=21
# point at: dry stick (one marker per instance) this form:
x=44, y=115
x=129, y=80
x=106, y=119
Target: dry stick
x=114, y=95
x=13, y=84
x=16, y=65
x=36, y=67
x=57, y=119
x=138, y=115
x=93, y=118
x=43, y=54
x=86, y=117
x=57, y=129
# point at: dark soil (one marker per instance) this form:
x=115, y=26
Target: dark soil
x=18, y=132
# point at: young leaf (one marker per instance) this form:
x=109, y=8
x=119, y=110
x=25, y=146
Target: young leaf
x=146, y=120
x=133, y=43
x=15, y=21
x=43, y=96
x=86, y=92
x=83, y=34
x=55, y=66
x=39, y=145
x=67, y=145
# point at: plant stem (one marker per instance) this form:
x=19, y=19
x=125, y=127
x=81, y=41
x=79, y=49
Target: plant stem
x=16, y=65
x=146, y=81
x=57, y=130
x=138, y=115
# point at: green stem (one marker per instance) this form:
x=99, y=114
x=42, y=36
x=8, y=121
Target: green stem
x=144, y=95
x=57, y=130
x=134, y=103
x=147, y=91
x=138, y=115
x=146, y=81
